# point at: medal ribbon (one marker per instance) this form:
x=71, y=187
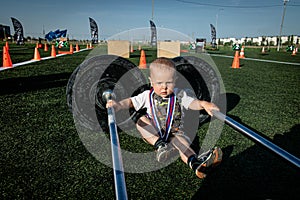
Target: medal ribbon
x=169, y=117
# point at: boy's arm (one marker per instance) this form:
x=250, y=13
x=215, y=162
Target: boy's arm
x=123, y=104
x=199, y=105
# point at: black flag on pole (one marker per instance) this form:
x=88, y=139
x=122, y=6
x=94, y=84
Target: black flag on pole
x=94, y=31
x=153, y=34
x=213, y=36
x=19, y=33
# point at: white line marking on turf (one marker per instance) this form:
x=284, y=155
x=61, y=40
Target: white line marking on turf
x=32, y=61
x=260, y=60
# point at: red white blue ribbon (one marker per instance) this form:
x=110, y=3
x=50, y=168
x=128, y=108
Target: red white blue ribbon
x=169, y=117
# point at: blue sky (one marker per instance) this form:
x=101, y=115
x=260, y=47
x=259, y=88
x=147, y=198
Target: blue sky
x=232, y=18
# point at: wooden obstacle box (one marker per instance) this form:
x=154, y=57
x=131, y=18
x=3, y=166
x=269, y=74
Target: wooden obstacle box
x=168, y=49
x=118, y=48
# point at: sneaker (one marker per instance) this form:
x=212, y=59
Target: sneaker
x=162, y=152
x=165, y=152
x=206, y=160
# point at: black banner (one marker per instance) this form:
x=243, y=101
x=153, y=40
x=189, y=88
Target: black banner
x=213, y=36
x=94, y=31
x=19, y=33
x=153, y=34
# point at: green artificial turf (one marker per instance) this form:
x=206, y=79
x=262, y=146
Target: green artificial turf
x=42, y=156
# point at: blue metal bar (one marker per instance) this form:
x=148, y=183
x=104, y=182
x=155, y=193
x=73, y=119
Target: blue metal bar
x=257, y=138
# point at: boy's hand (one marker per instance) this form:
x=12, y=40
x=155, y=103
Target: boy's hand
x=209, y=107
x=112, y=103
x=123, y=104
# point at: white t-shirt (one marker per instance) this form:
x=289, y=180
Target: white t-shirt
x=143, y=101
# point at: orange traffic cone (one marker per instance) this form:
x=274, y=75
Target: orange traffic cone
x=36, y=54
x=143, y=64
x=294, y=52
x=6, y=45
x=77, y=47
x=53, y=51
x=45, y=47
x=236, y=60
x=71, y=49
x=242, y=53
x=6, y=58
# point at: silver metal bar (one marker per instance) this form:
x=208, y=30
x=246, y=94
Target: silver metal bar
x=119, y=177
x=257, y=138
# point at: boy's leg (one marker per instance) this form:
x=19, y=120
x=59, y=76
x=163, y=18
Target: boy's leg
x=199, y=163
x=150, y=135
x=147, y=130
x=182, y=143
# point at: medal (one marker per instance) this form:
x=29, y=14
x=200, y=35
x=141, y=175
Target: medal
x=169, y=118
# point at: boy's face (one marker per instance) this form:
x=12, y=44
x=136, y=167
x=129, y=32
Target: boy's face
x=162, y=81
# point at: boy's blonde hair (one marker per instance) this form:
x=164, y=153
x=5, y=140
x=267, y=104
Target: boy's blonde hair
x=163, y=63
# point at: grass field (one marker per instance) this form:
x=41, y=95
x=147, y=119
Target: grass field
x=42, y=156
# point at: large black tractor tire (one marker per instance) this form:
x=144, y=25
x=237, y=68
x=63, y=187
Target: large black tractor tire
x=96, y=75
x=202, y=79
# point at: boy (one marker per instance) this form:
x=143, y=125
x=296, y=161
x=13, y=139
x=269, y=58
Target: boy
x=162, y=126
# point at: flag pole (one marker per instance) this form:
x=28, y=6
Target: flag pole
x=152, y=9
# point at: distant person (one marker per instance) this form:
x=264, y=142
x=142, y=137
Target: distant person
x=162, y=125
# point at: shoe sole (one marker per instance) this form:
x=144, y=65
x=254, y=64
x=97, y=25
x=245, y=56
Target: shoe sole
x=217, y=158
x=218, y=154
